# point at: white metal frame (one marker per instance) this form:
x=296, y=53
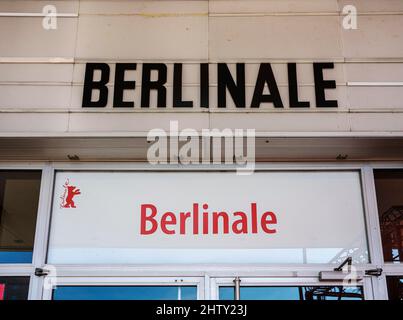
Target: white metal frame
x=216, y=283
x=375, y=288
x=123, y=281
x=27, y=270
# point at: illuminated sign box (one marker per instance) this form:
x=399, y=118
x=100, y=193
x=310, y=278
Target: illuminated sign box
x=207, y=217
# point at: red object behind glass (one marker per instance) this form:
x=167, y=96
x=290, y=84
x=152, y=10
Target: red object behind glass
x=2, y=289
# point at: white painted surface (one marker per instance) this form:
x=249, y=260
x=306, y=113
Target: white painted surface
x=37, y=94
x=309, y=206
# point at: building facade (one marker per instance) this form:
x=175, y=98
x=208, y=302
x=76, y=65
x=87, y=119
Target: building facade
x=90, y=210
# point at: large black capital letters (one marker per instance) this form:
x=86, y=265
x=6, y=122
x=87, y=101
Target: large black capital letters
x=159, y=84
x=225, y=80
x=177, y=89
x=90, y=85
x=121, y=85
x=204, y=85
x=293, y=88
x=264, y=77
x=321, y=85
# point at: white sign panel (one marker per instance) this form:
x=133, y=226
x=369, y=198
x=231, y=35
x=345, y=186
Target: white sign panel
x=207, y=217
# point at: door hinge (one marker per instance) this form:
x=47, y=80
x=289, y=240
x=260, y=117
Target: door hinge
x=39, y=272
x=374, y=272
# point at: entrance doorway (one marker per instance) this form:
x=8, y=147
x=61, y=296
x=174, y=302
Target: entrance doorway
x=204, y=288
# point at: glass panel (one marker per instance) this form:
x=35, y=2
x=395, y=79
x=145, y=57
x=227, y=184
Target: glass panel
x=125, y=293
x=242, y=219
x=389, y=192
x=395, y=288
x=294, y=293
x=14, y=288
x=19, y=196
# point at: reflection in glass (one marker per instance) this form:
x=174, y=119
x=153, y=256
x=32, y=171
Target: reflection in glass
x=125, y=293
x=19, y=195
x=294, y=293
x=395, y=288
x=389, y=192
x=14, y=288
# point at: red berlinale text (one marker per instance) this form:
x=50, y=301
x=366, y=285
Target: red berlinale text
x=200, y=220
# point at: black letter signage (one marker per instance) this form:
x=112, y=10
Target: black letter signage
x=177, y=94
x=121, y=85
x=148, y=85
x=225, y=80
x=90, y=85
x=266, y=76
x=155, y=76
x=293, y=88
x=321, y=85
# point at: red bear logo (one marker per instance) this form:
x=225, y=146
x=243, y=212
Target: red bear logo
x=68, y=196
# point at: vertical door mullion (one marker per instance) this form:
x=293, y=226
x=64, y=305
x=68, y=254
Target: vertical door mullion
x=207, y=286
x=368, y=288
x=372, y=219
x=373, y=231
x=41, y=232
x=213, y=289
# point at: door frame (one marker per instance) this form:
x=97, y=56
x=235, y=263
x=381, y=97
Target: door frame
x=51, y=282
x=246, y=281
x=207, y=287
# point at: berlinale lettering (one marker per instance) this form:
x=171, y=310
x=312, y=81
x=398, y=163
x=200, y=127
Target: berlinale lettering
x=225, y=82
x=216, y=222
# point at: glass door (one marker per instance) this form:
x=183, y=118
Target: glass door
x=288, y=289
x=128, y=288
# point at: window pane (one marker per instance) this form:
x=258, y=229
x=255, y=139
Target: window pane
x=294, y=293
x=19, y=196
x=125, y=293
x=389, y=191
x=14, y=288
x=395, y=288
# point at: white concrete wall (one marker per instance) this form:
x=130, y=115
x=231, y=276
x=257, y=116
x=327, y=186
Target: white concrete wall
x=42, y=72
